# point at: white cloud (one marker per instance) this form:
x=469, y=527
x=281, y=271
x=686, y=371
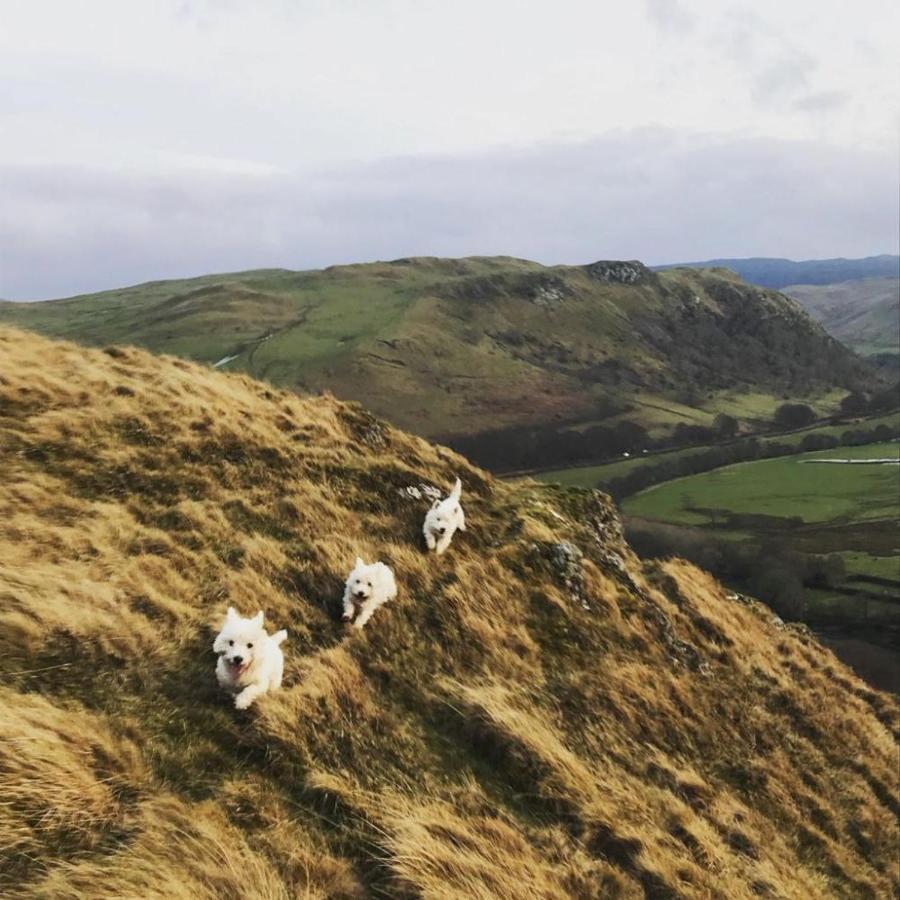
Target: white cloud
x=651, y=194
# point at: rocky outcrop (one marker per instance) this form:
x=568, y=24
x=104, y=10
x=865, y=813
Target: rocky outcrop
x=620, y=272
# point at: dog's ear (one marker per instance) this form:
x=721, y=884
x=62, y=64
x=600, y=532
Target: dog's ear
x=436, y=504
x=231, y=615
x=359, y=562
x=457, y=490
x=258, y=619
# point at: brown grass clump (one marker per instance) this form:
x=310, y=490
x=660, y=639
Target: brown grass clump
x=538, y=714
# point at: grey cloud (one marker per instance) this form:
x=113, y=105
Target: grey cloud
x=823, y=101
x=670, y=15
x=650, y=194
x=783, y=77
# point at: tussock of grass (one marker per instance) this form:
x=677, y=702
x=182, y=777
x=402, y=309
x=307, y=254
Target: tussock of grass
x=536, y=714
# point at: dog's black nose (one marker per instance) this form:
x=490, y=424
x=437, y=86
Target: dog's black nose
x=442, y=530
x=237, y=660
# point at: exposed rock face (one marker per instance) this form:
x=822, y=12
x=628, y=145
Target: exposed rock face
x=549, y=291
x=619, y=272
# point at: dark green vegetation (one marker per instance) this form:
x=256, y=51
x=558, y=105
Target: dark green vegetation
x=491, y=354
x=864, y=315
x=778, y=273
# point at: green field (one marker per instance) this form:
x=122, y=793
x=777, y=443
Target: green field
x=600, y=475
x=786, y=487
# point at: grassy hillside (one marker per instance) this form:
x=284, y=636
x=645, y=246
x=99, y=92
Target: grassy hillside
x=864, y=315
x=773, y=272
x=456, y=348
x=538, y=714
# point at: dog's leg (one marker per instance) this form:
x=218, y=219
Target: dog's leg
x=277, y=673
x=348, y=606
x=430, y=541
x=444, y=542
x=222, y=675
x=248, y=695
x=365, y=613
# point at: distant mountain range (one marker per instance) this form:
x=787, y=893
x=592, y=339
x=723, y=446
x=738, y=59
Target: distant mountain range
x=458, y=349
x=779, y=273
x=864, y=315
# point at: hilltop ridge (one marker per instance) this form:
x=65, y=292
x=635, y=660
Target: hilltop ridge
x=538, y=714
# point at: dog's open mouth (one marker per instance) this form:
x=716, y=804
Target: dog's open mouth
x=237, y=668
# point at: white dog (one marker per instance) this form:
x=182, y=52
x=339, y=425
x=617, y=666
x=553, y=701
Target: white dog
x=367, y=588
x=443, y=519
x=250, y=659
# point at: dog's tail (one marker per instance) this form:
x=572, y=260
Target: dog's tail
x=279, y=636
x=457, y=490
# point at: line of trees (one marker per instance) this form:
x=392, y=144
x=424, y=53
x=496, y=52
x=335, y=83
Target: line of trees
x=527, y=447
x=564, y=445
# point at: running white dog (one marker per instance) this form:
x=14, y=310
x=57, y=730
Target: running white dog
x=443, y=519
x=367, y=588
x=250, y=660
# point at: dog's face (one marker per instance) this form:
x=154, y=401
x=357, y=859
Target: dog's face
x=442, y=516
x=240, y=642
x=362, y=581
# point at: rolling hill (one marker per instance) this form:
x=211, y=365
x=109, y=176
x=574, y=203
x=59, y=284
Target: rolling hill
x=864, y=315
x=453, y=349
x=538, y=714
x=773, y=272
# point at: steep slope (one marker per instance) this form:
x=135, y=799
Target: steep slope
x=537, y=714
x=455, y=348
x=773, y=272
x=864, y=315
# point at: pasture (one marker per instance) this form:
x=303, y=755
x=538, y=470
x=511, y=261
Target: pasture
x=785, y=487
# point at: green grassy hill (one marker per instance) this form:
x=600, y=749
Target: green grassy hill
x=456, y=348
x=864, y=315
x=538, y=714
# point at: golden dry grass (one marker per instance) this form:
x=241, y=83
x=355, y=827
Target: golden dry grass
x=537, y=715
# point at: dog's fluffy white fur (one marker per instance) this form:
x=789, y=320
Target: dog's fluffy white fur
x=443, y=520
x=367, y=588
x=250, y=659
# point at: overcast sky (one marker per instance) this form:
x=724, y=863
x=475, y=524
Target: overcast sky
x=144, y=139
